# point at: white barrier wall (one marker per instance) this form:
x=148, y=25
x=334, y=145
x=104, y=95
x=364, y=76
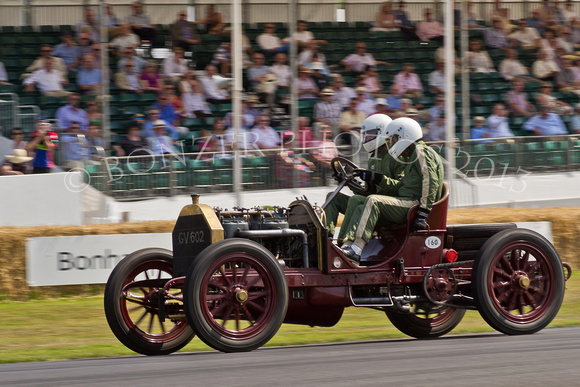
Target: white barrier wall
x=42, y=199
x=83, y=259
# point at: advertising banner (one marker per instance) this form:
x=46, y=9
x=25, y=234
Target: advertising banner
x=83, y=259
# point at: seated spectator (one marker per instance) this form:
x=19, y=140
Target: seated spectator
x=128, y=79
x=150, y=79
x=409, y=82
x=68, y=51
x=495, y=37
x=307, y=89
x=497, y=122
x=524, y=37
x=95, y=144
x=370, y=80
x=282, y=71
x=269, y=43
x=159, y=142
x=173, y=99
x=544, y=69
x=125, y=40
x=317, y=75
x=342, y=94
x=328, y=112
x=385, y=19
x=569, y=13
x=304, y=135
x=291, y=168
x=217, y=141
x=325, y=148
x=112, y=22
x=437, y=83
x=262, y=79
x=266, y=136
x=429, y=28
x=437, y=129
x=213, y=21
x=94, y=114
x=175, y=66
x=140, y=23
x=249, y=114
x=404, y=23
x=356, y=63
x=89, y=25
x=85, y=45
x=73, y=147
x=130, y=54
x=132, y=144
x=71, y=112
x=365, y=103
x=194, y=103
x=575, y=120
x=303, y=36
x=566, y=78
x=511, y=68
x=182, y=32
x=440, y=55
x=478, y=61
x=222, y=58
x=545, y=123
x=350, y=120
x=214, y=92
x=153, y=117
x=381, y=106
x=549, y=43
x=479, y=131
x=547, y=100
x=16, y=163
x=437, y=108
x=311, y=53
x=88, y=77
x=48, y=80
x=536, y=21
x=517, y=100
x=167, y=111
x=565, y=40
x=46, y=52
x=394, y=98
x=17, y=137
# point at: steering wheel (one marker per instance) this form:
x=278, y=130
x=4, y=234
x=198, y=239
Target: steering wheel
x=344, y=168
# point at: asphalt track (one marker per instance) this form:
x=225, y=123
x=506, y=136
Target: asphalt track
x=548, y=358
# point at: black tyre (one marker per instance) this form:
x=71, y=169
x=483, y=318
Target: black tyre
x=426, y=321
x=132, y=304
x=235, y=295
x=518, y=282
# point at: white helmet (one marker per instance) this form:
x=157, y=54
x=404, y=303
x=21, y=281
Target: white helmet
x=401, y=133
x=373, y=131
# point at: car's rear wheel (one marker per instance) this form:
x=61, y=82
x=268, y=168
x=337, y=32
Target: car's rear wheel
x=426, y=321
x=235, y=295
x=518, y=282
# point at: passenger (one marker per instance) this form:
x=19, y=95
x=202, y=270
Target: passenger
x=421, y=184
x=388, y=171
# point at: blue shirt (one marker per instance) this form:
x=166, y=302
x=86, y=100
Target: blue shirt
x=148, y=131
x=66, y=114
x=553, y=124
x=71, y=148
x=535, y=23
x=88, y=78
x=166, y=112
x=69, y=54
x=394, y=102
x=477, y=133
x=137, y=61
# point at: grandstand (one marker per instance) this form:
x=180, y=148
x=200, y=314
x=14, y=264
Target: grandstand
x=19, y=46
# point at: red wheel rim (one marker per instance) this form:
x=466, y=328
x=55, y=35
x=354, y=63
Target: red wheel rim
x=431, y=318
x=140, y=304
x=238, y=296
x=520, y=282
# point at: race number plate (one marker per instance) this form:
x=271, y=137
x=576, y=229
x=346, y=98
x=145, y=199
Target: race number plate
x=191, y=235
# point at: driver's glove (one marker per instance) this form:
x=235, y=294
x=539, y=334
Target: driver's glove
x=337, y=177
x=368, y=176
x=420, y=222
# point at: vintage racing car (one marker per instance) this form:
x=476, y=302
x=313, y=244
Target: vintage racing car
x=235, y=276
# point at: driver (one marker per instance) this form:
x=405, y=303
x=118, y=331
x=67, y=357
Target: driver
x=422, y=184
x=388, y=172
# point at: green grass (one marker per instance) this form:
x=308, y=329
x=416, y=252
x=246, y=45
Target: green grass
x=77, y=328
